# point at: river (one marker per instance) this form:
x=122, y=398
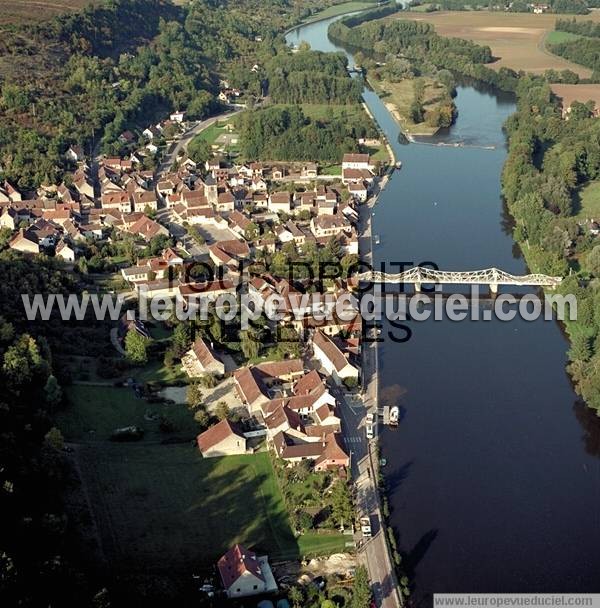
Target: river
x=494, y=472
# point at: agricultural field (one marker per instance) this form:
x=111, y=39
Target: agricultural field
x=28, y=11
x=517, y=39
x=577, y=92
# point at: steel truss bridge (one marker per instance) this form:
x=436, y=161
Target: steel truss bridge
x=493, y=277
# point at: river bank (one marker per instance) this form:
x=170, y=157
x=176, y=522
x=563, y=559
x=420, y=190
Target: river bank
x=495, y=459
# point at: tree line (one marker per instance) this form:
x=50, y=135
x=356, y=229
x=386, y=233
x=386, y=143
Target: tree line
x=549, y=161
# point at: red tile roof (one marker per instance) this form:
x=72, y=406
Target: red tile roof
x=215, y=434
x=236, y=562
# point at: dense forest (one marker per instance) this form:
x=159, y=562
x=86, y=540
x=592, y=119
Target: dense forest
x=285, y=133
x=36, y=566
x=311, y=77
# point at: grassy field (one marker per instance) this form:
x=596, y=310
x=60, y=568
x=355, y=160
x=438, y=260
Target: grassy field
x=558, y=37
x=27, y=11
x=95, y=411
x=589, y=200
x=340, y=9
x=325, y=112
x=516, y=39
x=398, y=96
x=166, y=509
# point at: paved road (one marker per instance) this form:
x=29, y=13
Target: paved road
x=373, y=552
x=186, y=138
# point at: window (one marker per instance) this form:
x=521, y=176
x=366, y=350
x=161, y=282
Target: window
x=255, y=587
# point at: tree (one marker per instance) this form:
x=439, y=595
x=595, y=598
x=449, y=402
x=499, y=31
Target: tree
x=194, y=396
x=592, y=261
x=222, y=411
x=361, y=590
x=199, y=150
x=202, y=418
x=136, y=347
x=54, y=439
x=250, y=343
x=304, y=520
x=53, y=392
x=341, y=503
x=182, y=338
x=296, y=596
x=169, y=358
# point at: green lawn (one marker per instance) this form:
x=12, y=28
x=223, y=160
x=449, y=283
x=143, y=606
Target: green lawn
x=340, y=9
x=95, y=411
x=312, y=544
x=166, y=508
x=211, y=132
x=558, y=37
x=589, y=197
x=335, y=170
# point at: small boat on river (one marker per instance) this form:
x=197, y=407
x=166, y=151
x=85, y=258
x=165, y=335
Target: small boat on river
x=394, y=415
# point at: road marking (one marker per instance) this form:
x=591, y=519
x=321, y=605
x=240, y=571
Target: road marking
x=353, y=439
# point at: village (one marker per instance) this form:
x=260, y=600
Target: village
x=226, y=218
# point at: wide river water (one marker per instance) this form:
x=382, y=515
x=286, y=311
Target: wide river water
x=494, y=471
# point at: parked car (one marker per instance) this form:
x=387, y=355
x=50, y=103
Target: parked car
x=365, y=526
x=370, y=418
x=370, y=431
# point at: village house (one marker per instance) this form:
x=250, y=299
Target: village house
x=239, y=223
x=202, y=359
x=309, y=170
x=332, y=359
x=225, y=202
x=229, y=253
x=223, y=439
x=147, y=228
x=119, y=200
x=203, y=294
x=329, y=225
x=144, y=200
x=24, y=241
x=75, y=154
x=359, y=191
x=357, y=161
x=9, y=218
x=326, y=452
x=65, y=251
x=244, y=574
x=253, y=383
x=280, y=202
